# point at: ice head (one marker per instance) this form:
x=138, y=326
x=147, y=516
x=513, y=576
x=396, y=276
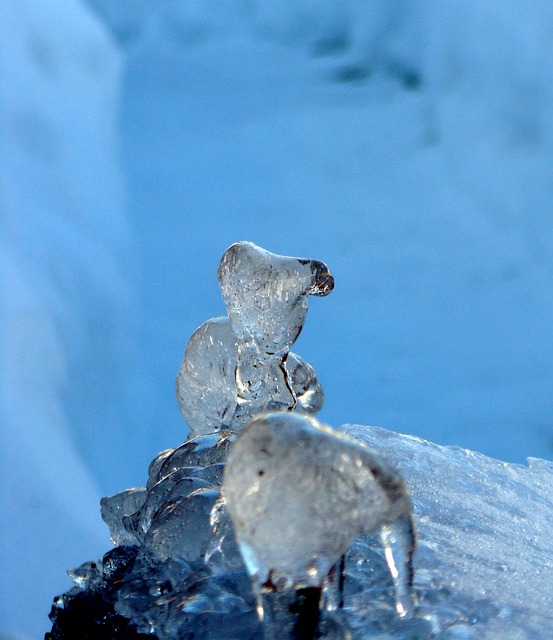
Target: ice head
x=266, y=296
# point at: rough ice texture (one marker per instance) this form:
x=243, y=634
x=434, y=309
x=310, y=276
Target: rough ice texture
x=485, y=536
x=237, y=366
x=171, y=515
x=482, y=565
x=299, y=495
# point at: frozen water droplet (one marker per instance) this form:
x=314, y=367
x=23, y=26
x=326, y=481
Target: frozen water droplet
x=299, y=494
x=303, y=380
x=87, y=576
x=398, y=539
x=237, y=366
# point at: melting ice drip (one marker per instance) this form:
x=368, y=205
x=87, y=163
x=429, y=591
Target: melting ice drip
x=298, y=494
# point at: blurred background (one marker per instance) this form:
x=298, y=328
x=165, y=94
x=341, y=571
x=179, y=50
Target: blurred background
x=407, y=144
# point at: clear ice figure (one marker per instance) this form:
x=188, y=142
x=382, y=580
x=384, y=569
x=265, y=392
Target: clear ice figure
x=239, y=365
x=299, y=494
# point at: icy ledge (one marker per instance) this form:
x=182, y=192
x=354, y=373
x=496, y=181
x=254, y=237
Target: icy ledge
x=485, y=532
x=483, y=563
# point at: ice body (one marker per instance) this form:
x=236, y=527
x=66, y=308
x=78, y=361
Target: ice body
x=236, y=366
x=299, y=495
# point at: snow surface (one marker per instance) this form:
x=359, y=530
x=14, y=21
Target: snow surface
x=409, y=148
x=485, y=537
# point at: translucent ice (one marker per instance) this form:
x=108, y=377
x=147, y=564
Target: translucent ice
x=299, y=494
x=178, y=491
x=115, y=508
x=237, y=366
x=181, y=527
x=201, y=452
x=483, y=562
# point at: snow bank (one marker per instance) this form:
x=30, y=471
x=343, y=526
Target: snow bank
x=65, y=300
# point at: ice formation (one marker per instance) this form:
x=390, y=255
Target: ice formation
x=482, y=567
x=300, y=508
x=236, y=366
x=299, y=495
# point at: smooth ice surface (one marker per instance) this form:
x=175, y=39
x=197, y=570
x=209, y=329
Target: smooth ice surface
x=236, y=367
x=299, y=495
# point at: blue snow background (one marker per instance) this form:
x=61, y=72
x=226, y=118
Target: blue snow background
x=409, y=145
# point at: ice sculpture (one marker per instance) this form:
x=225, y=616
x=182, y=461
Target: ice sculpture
x=237, y=366
x=299, y=494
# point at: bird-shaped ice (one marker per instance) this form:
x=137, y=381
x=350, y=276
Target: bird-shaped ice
x=239, y=365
